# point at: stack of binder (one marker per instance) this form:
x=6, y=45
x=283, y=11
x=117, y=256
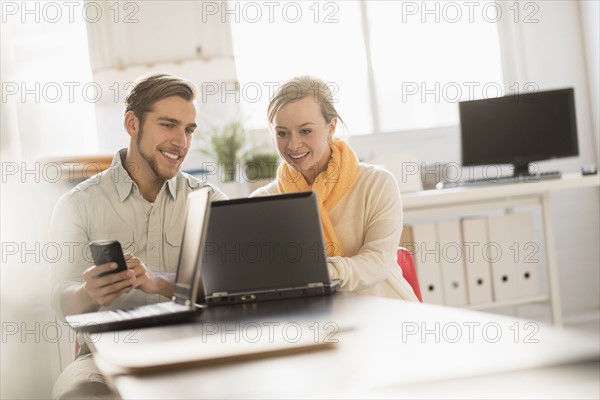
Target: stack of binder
x=475, y=260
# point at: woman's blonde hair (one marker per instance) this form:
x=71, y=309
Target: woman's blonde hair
x=297, y=89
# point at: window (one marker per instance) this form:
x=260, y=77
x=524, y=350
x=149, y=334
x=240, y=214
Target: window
x=423, y=63
x=395, y=65
x=47, y=79
x=304, y=38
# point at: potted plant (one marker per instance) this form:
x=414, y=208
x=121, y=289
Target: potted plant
x=260, y=169
x=261, y=166
x=225, y=146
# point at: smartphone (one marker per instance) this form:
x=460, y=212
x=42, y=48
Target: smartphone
x=104, y=251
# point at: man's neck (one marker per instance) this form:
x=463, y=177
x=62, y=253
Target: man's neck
x=150, y=191
x=147, y=182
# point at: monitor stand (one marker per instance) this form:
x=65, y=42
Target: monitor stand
x=521, y=169
x=521, y=173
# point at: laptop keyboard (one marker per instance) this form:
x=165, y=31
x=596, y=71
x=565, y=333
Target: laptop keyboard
x=145, y=311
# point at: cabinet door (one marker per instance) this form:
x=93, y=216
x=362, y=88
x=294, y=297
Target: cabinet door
x=525, y=253
x=504, y=270
x=452, y=263
x=427, y=260
x=475, y=239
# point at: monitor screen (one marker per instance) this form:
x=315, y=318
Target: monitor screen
x=518, y=129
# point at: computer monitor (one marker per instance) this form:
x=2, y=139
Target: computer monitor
x=518, y=129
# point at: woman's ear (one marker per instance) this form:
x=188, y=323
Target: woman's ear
x=332, y=124
x=131, y=123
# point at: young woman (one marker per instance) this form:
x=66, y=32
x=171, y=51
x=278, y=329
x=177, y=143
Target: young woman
x=360, y=204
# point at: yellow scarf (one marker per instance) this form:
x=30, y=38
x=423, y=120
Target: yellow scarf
x=330, y=186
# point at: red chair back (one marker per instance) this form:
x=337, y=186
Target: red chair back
x=406, y=263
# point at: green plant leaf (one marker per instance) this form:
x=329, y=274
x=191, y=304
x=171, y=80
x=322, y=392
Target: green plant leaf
x=261, y=166
x=225, y=144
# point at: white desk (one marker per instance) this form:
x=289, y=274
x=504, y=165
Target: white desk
x=474, y=198
x=385, y=348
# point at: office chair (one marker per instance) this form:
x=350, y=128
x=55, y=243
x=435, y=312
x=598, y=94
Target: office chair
x=406, y=263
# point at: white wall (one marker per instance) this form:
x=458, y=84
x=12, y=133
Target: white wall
x=109, y=109
x=589, y=12
x=174, y=37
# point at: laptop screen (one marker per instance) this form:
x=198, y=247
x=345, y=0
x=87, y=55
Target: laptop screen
x=263, y=243
x=195, y=217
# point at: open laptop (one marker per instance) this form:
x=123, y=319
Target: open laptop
x=182, y=307
x=264, y=248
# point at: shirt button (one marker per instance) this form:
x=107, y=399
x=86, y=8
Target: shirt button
x=152, y=248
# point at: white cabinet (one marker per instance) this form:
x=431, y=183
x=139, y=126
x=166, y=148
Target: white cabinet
x=468, y=200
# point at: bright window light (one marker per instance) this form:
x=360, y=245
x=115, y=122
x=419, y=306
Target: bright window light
x=325, y=41
x=51, y=77
x=425, y=57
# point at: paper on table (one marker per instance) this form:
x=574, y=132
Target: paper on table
x=138, y=358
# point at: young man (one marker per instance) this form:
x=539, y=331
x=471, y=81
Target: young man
x=139, y=201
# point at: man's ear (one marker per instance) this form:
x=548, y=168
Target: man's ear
x=131, y=123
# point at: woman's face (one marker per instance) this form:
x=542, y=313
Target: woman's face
x=302, y=137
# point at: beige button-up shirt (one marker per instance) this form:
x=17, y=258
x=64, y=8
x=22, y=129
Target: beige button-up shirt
x=109, y=206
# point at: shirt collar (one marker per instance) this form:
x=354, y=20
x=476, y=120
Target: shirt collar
x=172, y=186
x=125, y=184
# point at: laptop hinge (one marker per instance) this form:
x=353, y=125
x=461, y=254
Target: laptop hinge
x=184, y=301
x=315, y=284
x=219, y=294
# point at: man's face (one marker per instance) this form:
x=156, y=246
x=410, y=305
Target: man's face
x=164, y=138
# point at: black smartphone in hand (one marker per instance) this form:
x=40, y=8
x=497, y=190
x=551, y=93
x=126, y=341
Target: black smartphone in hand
x=104, y=251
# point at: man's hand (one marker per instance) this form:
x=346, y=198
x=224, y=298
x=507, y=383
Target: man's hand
x=148, y=281
x=97, y=291
x=103, y=290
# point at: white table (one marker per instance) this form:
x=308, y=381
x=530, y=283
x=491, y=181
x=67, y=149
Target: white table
x=385, y=348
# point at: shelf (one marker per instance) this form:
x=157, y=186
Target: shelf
x=510, y=303
x=477, y=194
x=79, y=168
